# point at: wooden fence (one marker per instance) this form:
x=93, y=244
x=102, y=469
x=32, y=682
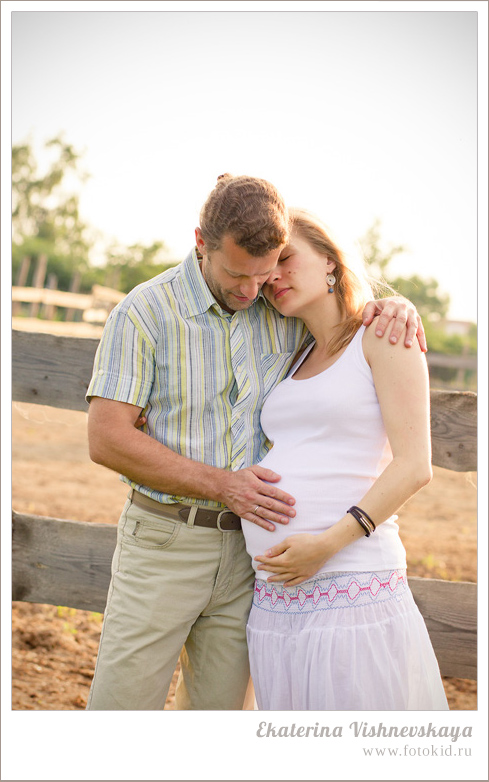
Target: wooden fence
x=63, y=562
x=95, y=306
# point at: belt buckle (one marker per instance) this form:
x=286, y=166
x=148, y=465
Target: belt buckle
x=223, y=513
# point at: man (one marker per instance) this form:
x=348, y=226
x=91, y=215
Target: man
x=198, y=348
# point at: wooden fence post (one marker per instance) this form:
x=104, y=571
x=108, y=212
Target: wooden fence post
x=20, y=282
x=74, y=288
x=38, y=282
x=49, y=310
x=23, y=272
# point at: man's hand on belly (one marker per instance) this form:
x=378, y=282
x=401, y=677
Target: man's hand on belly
x=251, y=494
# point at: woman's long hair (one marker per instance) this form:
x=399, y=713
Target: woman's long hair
x=352, y=287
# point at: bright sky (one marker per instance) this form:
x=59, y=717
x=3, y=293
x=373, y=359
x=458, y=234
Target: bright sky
x=356, y=116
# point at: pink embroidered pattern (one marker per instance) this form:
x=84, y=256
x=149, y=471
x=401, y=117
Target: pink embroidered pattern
x=338, y=591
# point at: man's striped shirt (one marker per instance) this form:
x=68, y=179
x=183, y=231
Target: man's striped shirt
x=200, y=374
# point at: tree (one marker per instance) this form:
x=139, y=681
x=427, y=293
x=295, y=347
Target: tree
x=45, y=214
x=126, y=267
x=46, y=221
x=376, y=257
x=431, y=304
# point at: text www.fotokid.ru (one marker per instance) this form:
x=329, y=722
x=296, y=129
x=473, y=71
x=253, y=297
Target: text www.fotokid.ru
x=408, y=751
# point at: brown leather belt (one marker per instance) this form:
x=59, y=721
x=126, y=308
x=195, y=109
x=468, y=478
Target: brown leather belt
x=224, y=520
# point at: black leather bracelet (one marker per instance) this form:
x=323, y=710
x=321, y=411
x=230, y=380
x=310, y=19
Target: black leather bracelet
x=365, y=515
x=363, y=519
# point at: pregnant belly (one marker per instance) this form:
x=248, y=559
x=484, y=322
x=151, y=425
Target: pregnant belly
x=310, y=518
x=321, y=500
x=259, y=540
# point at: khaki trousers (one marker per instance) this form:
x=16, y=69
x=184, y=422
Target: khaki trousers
x=174, y=586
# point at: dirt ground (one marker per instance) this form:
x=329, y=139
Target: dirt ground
x=54, y=647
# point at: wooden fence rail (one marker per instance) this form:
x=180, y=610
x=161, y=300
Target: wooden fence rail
x=451, y=362
x=95, y=305
x=79, y=301
x=65, y=562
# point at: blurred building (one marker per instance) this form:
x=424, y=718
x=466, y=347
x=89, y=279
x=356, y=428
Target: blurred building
x=460, y=327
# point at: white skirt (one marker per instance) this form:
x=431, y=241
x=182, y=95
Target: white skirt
x=351, y=641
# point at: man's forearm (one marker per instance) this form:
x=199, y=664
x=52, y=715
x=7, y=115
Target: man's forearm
x=150, y=463
x=118, y=444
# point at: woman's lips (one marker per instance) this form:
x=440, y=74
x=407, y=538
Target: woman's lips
x=280, y=293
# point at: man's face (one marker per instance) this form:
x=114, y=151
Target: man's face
x=233, y=276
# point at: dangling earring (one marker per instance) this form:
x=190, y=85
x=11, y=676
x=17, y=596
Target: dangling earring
x=330, y=279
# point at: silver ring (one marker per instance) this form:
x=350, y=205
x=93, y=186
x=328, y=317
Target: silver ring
x=255, y=509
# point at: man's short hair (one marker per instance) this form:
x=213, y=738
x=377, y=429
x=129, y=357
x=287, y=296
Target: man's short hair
x=249, y=210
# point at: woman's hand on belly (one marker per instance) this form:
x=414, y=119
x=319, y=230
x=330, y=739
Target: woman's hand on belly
x=298, y=557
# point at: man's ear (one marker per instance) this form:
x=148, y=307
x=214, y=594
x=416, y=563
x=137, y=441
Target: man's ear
x=199, y=241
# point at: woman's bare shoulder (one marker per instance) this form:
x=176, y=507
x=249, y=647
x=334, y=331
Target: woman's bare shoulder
x=374, y=346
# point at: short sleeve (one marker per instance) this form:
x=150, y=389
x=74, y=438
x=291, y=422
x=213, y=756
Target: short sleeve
x=124, y=363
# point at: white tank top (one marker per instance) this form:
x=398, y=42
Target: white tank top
x=329, y=446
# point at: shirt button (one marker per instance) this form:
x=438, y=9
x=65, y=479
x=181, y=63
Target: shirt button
x=101, y=371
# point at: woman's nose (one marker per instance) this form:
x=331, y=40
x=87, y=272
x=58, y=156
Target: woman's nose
x=275, y=275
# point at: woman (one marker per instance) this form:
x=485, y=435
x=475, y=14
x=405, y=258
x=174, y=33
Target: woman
x=333, y=624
